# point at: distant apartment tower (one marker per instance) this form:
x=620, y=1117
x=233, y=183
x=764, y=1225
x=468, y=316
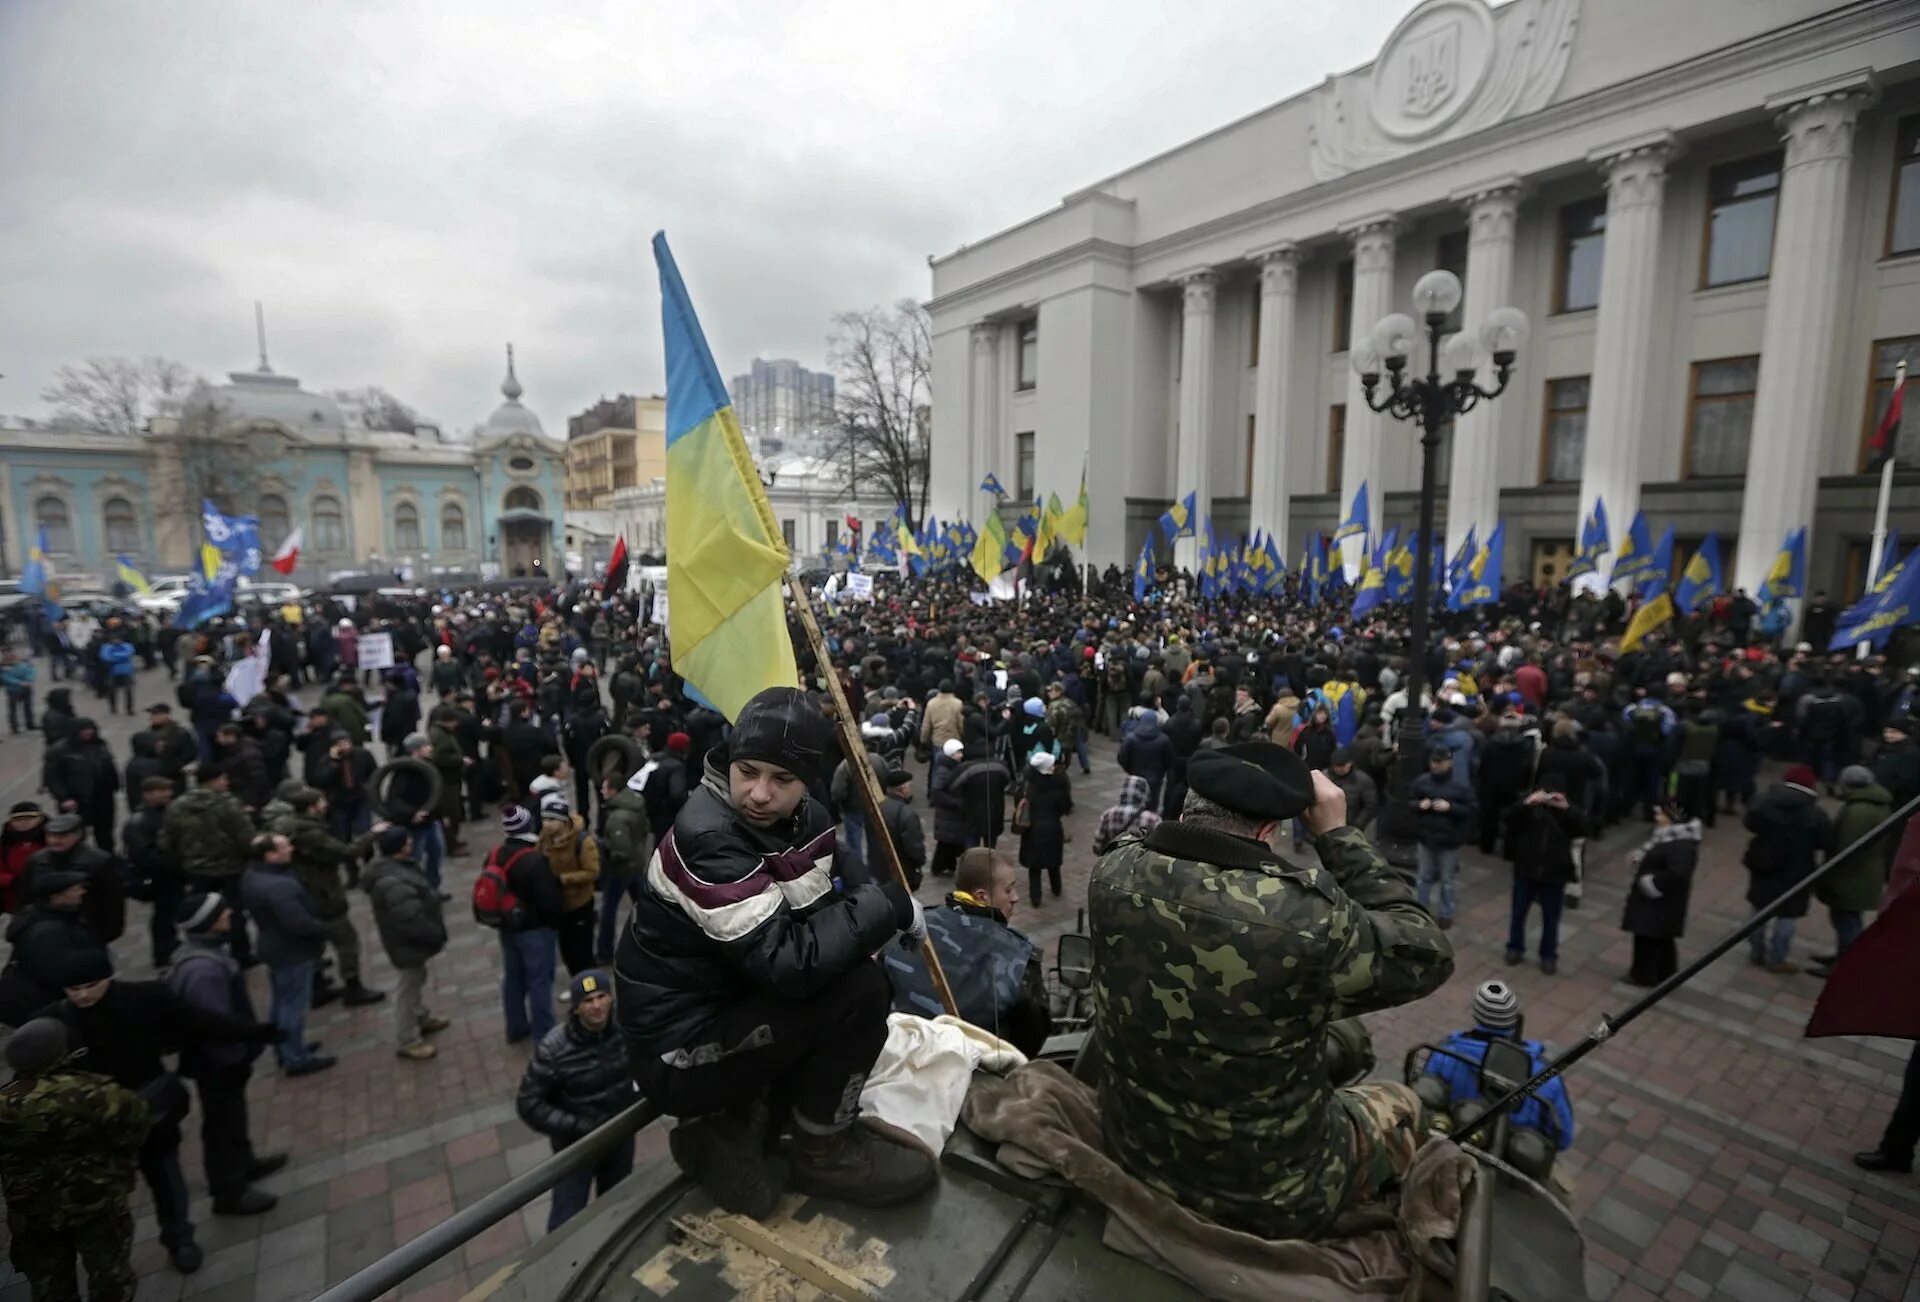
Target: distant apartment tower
x=783, y=406
x=616, y=443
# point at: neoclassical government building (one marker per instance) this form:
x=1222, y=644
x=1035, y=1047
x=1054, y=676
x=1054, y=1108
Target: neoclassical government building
x=1709, y=211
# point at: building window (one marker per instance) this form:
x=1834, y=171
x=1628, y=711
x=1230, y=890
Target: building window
x=786, y=532
x=1720, y=419
x=1253, y=333
x=1451, y=255
x=50, y=517
x=1343, y=306
x=1336, y=444
x=1903, y=222
x=1887, y=355
x=1023, y=466
x=123, y=526
x=275, y=521
x=522, y=499
x=1741, y=198
x=1027, y=367
x=833, y=533
x=329, y=526
x=453, y=528
x=406, y=527
x=1583, y=244
x=1563, y=444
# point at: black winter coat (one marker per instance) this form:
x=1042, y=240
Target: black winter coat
x=104, y=910
x=82, y=771
x=726, y=910
x=575, y=1080
x=136, y=1022
x=40, y=938
x=969, y=802
x=1790, y=835
x=1670, y=864
x=406, y=908
x=1540, y=841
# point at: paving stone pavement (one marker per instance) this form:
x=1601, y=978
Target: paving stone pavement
x=1712, y=1159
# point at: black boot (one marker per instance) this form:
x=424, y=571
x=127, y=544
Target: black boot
x=1876, y=1160
x=185, y=1256
x=248, y=1202
x=868, y=1163
x=358, y=996
x=724, y=1154
x=324, y=993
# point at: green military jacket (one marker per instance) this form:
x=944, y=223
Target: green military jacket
x=205, y=832
x=627, y=830
x=318, y=861
x=69, y=1147
x=1217, y=970
x=345, y=712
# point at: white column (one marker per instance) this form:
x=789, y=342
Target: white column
x=1473, y=492
x=1804, y=292
x=1372, y=299
x=1622, y=345
x=1194, y=459
x=1279, y=294
x=983, y=412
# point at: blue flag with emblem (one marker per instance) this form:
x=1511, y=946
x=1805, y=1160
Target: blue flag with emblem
x=237, y=537
x=1178, y=519
x=991, y=484
x=1636, y=551
x=1342, y=700
x=1700, y=582
x=1143, y=569
x=1889, y=560
x=1357, y=523
x=1276, y=576
x=1874, y=617
x=1480, y=582
x=1787, y=576
x=1659, y=575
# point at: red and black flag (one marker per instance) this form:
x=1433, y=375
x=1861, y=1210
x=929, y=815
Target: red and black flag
x=1886, y=439
x=616, y=580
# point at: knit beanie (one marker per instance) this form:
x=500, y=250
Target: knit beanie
x=1496, y=1006
x=516, y=820
x=554, y=805
x=781, y=726
x=1035, y=707
x=1856, y=776
x=1800, y=775
x=199, y=911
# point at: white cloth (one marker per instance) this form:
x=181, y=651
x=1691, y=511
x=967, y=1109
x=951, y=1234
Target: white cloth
x=921, y=1077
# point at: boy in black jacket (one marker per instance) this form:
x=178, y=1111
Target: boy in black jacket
x=746, y=978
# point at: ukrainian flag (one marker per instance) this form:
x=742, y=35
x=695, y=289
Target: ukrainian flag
x=1073, y=525
x=209, y=561
x=1178, y=519
x=1701, y=580
x=130, y=576
x=725, y=555
x=990, y=548
x=1358, y=523
x=37, y=571
x=1787, y=577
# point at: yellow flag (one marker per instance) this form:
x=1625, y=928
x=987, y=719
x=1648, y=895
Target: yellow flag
x=1651, y=615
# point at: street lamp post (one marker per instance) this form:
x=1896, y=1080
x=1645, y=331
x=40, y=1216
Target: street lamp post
x=1433, y=401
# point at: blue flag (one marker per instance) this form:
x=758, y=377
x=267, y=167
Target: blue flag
x=1276, y=567
x=1701, y=581
x=1357, y=524
x=1178, y=519
x=1342, y=700
x=38, y=570
x=1143, y=570
x=991, y=484
x=1873, y=618
x=205, y=599
x=1787, y=577
x=1480, y=580
x=1636, y=550
x=1889, y=560
x=236, y=536
x=1659, y=575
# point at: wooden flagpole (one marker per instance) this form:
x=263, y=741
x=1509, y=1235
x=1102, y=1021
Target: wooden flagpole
x=861, y=773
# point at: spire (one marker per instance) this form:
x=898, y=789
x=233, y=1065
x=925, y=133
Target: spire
x=260, y=332
x=511, y=385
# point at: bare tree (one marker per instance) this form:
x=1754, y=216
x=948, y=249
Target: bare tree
x=210, y=462
x=118, y=395
x=883, y=361
x=378, y=409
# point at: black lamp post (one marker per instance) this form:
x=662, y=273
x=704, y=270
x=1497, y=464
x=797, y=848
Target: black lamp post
x=1432, y=400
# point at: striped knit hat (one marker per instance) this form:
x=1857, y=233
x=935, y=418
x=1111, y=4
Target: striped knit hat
x=516, y=820
x=1496, y=1006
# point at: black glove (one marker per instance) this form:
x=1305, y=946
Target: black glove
x=902, y=902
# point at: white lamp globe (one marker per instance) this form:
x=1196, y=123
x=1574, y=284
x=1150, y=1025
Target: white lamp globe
x=1436, y=292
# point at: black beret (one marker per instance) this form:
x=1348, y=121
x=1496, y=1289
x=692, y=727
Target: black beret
x=1257, y=778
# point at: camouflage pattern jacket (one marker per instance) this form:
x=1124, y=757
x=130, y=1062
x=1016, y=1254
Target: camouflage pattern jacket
x=319, y=860
x=1217, y=969
x=69, y=1143
x=205, y=832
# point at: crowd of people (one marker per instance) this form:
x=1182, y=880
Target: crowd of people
x=715, y=892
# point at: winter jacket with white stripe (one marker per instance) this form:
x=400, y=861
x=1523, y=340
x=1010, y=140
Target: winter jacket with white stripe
x=727, y=910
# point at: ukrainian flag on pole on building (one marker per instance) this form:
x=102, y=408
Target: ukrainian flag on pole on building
x=726, y=558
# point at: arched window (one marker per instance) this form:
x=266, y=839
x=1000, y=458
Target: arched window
x=329, y=526
x=406, y=527
x=50, y=516
x=275, y=522
x=453, y=528
x=522, y=499
x=123, y=526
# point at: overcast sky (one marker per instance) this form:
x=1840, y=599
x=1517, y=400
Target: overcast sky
x=409, y=184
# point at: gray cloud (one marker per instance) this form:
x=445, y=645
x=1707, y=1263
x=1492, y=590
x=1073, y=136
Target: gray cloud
x=408, y=184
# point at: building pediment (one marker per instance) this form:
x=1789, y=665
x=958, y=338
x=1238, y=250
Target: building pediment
x=1451, y=68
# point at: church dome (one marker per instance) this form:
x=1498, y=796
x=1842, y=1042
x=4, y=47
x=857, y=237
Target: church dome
x=511, y=416
x=262, y=397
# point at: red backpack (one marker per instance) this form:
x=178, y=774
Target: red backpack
x=494, y=903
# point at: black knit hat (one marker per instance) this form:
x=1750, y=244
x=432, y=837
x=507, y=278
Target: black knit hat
x=82, y=967
x=782, y=726
x=1257, y=778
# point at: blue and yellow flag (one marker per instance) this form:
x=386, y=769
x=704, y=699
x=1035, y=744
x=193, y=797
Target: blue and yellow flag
x=1874, y=617
x=1889, y=561
x=1276, y=567
x=1372, y=592
x=1659, y=575
x=1343, y=701
x=130, y=576
x=1073, y=525
x=1700, y=582
x=1594, y=542
x=1313, y=572
x=726, y=558
x=1462, y=561
x=1143, y=569
x=1787, y=577
x=990, y=548
x=1399, y=567
x=1485, y=573
x=1357, y=524
x=1178, y=520
x=903, y=536
x=1651, y=615
x=209, y=561
x=1636, y=551
x=991, y=484
x=38, y=571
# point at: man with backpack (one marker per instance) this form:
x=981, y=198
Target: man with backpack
x=1650, y=722
x=517, y=895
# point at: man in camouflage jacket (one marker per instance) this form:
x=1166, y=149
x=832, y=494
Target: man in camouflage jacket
x=205, y=834
x=320, y=861
x=69, y=1143
x=1218, y=969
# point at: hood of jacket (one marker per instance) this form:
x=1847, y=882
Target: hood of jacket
x=1133, y=795
x=1873, y=794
